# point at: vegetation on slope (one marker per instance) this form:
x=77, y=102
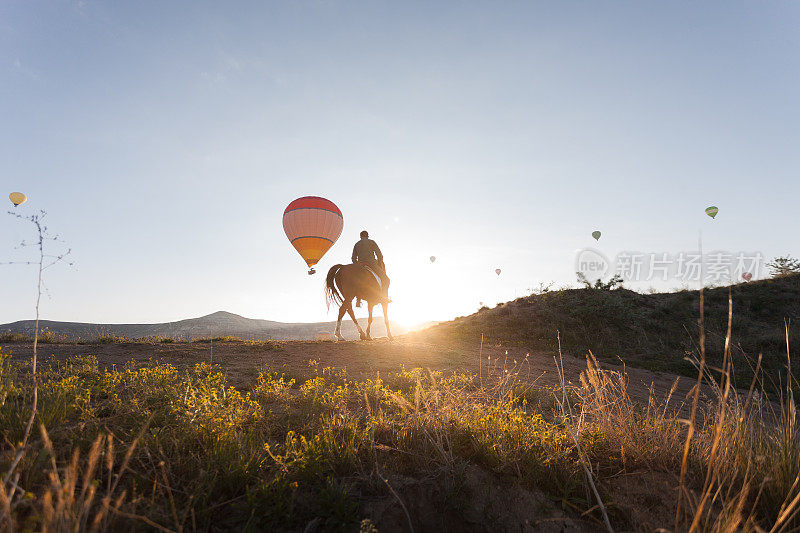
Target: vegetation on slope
x=650, y=330
x=156, y=448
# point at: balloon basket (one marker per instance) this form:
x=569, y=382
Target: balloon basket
x=311, y=271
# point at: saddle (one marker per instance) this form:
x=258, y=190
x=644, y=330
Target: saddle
x=369, y=268
x=374, y=274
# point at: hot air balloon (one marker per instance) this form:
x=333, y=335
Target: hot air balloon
x=712, y=211
x=433, y=259
x=17, y=198
x=596, y=235
x=312, y=225
x=497, y=271
x=747, y=276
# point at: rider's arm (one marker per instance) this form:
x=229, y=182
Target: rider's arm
x=355, y=255
x=377, y=251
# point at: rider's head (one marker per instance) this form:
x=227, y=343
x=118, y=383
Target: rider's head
x=364, y=234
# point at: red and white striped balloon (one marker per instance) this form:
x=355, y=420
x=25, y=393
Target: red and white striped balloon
x=313, y=225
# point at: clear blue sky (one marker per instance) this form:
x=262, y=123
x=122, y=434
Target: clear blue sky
x=165, y=139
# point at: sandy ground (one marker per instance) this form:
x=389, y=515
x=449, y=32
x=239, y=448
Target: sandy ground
x=362, y=359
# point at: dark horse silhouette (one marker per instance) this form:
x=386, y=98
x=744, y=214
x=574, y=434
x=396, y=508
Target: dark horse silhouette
x=345, y=282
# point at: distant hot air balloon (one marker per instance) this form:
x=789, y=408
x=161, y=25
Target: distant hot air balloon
x=712, y=211
x=747, y=276
x=17, y=198
x=433, y=259
x=312, y=225
x=497, y=271
x=596, y=235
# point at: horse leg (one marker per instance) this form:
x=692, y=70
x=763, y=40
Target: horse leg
x=369, y=322
x=386, y=319
x=353, y=316
x=342, y=310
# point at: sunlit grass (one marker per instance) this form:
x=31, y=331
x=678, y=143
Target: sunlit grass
x=157, y=447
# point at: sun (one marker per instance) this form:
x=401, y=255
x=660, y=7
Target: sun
x=421, y=294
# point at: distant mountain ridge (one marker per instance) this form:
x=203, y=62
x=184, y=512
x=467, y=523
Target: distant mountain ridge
x=220, y=323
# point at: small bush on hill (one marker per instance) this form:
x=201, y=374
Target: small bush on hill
x=784, y=266
x=613, y=283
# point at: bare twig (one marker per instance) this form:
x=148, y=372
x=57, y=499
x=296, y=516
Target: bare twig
x=695, y=401
x=584, y=460
x=42, y=264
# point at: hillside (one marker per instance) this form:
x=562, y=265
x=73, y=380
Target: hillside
x=651, y=330
x=216, y=324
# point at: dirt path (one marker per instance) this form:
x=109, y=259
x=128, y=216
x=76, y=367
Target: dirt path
x=361, y=359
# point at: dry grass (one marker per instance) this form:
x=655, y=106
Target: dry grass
x=46, y=336
x=155, y=448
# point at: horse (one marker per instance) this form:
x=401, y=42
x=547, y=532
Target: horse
x=345, y=282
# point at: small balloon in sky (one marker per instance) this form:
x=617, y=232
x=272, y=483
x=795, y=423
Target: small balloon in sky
x=712, y=211
x=747, y=276
x=17, y=198
x=497, y=271
x=433, y=259
x=596, y=235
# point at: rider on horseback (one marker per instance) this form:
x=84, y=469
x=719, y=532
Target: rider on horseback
x=366, y=252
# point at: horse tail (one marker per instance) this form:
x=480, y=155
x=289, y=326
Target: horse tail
x=332, y=294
